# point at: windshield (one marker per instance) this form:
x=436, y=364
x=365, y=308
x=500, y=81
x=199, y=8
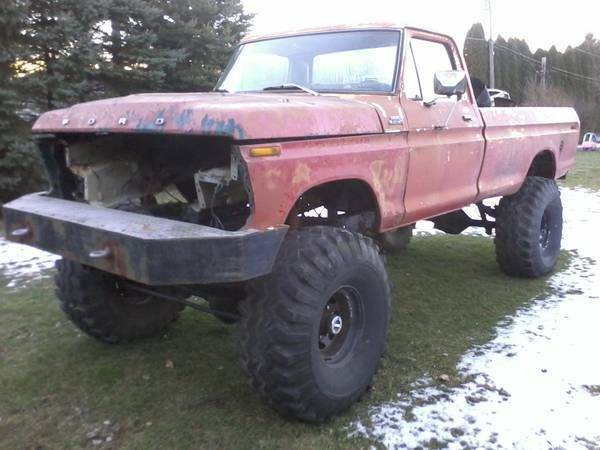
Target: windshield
x=354, y=61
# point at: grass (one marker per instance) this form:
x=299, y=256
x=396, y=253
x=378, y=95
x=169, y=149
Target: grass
x=57, y=386
x=586, y=172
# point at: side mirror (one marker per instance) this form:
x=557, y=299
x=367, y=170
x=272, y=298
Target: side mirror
x=450, y=82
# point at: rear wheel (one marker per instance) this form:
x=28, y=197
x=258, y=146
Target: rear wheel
x=101, y=305
x=529, y=229
x=314, y=330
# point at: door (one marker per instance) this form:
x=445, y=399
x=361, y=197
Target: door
x=445, y=135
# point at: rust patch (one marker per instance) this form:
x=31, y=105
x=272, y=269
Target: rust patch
x=301, y=174
x=386, y=181
x=273, y=178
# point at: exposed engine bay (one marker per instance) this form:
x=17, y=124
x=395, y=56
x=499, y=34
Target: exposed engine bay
x=193, y=179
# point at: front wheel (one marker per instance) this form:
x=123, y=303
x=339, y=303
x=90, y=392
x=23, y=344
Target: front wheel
x=529, y=229
x=101, y=305
x=314, y=330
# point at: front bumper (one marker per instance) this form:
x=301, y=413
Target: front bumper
x=146, y=249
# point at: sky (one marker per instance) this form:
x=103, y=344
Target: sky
x=541, y=23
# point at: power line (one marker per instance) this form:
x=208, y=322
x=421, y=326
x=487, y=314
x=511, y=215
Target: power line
x=537, y=62
x=585, y=52
x=576, y=75
x=518, y=53
x=577, y=49
x=469, y=38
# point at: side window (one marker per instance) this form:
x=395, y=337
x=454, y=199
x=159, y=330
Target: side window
x=430, y=57
x=412, y=86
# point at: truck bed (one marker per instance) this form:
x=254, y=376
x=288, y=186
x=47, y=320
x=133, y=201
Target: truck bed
x=514, y=136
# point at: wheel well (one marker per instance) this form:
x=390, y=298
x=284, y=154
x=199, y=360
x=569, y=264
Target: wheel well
x=349, y=204
x=543, y=165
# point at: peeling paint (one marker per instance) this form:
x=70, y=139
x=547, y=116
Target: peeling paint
x=219, y=127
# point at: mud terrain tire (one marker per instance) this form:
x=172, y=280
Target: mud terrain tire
x=529, y=229
x=313, y=331
x=396, y=241
x=97, y=305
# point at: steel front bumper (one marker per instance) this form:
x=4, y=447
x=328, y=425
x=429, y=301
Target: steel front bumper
x=142, y=248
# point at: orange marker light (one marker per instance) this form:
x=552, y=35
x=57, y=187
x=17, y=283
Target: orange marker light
x=265, y=151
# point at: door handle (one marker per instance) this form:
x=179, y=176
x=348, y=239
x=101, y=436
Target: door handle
x=468, y=118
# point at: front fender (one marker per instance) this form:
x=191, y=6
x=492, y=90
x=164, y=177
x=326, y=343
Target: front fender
x=381, y=161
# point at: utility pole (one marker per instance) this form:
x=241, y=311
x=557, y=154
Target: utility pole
x=544, y=72
x=488, y=4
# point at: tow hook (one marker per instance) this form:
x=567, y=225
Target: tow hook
x=100, y=254
x=20, y=232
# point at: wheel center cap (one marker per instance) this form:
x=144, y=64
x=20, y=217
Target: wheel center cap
x=336, y=325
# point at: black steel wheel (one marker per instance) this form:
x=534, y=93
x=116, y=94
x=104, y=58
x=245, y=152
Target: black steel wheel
x=313, y=332
x=529, y=229
x=340, y=320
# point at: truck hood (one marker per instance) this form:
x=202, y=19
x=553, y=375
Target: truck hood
x=238, y=116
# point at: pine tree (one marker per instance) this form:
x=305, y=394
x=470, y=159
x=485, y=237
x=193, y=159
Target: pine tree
x=476, y=53
x=165, y=45
x=60, y=52
x=19, y=166
x=206, y=31
x=54, y=53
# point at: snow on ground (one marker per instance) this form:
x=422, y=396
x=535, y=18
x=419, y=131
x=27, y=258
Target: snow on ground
x=536, y=385
x=20, y=264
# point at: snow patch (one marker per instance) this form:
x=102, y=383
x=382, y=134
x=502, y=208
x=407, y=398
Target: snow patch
x=535, y=385
x=21, y=264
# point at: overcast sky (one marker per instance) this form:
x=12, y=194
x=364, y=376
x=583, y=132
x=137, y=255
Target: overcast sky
x=540, y=22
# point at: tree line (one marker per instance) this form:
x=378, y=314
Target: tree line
x=54, y=53
x=572, y=76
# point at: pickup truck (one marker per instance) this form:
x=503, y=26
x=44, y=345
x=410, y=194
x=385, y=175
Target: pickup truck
x=590, y=142
x=271, y=201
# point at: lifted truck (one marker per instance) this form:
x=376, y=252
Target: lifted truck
x=272, y=197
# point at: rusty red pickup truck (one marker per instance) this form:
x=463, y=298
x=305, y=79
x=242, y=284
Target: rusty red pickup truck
x=270, y=201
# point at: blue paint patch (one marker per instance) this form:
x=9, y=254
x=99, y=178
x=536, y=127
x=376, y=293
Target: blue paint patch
x=144, y=125
x=184, y=119
x=222, y=127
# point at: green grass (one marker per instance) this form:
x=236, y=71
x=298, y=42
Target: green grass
x=57, y=385
x=586, y=172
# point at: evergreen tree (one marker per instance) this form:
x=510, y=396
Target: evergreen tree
x=19, y=166
x=476, y=53
x=54, y=53
x=206, y=31
x=159, y=45
x=59, y=52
